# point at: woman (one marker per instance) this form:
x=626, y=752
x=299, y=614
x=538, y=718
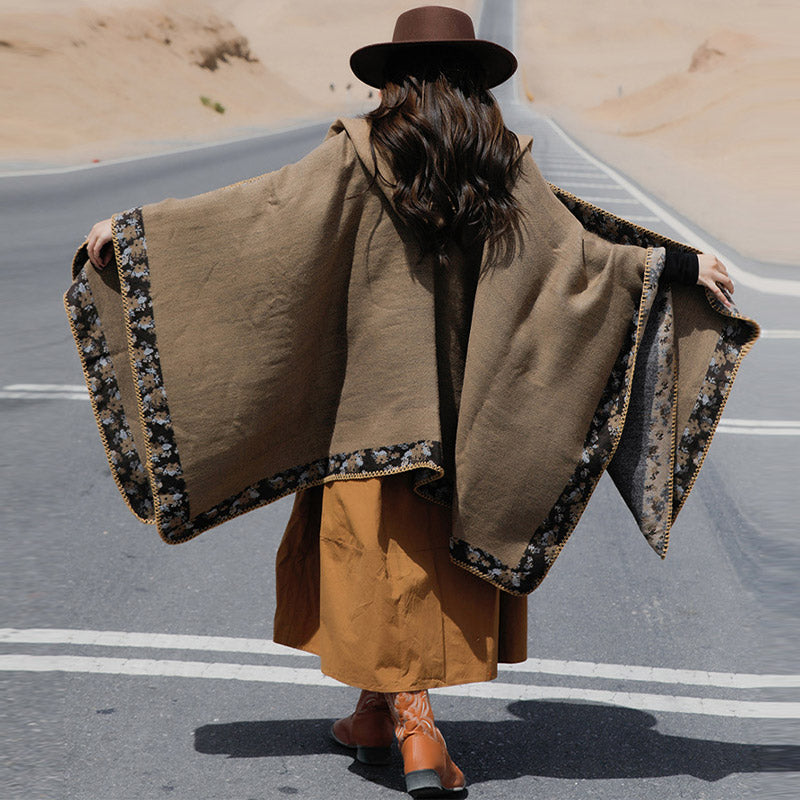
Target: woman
x=370, y=570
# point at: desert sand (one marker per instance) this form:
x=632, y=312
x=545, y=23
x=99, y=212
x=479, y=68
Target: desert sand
x=698, y=100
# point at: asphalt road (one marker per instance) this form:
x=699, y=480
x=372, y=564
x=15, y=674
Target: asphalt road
x=147, y=718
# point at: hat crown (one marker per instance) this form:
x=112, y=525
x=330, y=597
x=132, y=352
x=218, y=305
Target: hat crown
x=433, y=24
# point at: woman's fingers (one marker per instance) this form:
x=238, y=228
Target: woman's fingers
x=99, y=236
x=713, y=275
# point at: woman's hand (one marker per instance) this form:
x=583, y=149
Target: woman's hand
x=712, y=274
x=98, y=243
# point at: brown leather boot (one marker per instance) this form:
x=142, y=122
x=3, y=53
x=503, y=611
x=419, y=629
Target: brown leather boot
x=369, y=730
x=429, y=770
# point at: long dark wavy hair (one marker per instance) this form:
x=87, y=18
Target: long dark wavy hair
x=454, y=161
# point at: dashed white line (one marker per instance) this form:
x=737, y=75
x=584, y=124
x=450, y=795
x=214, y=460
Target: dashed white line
x=767, y=285
x=593, y=185
x=564, y=173
x=308, y=677
x=624, y=200
x=632, y=218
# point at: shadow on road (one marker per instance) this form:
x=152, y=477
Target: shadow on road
x=548, y=739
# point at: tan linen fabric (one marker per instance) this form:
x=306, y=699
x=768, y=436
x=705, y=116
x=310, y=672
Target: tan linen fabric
x=365, y=581
x=309, y=347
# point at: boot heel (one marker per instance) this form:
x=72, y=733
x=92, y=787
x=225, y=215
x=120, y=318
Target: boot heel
x=426, y=783
x=374, y=755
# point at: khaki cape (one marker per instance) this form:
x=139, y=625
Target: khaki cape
x=285, y=331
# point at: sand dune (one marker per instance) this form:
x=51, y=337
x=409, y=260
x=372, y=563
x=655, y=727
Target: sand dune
x=697, y=99
x=103, y=78
x=92, y=82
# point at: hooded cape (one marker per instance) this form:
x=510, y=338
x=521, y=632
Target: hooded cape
x=287, y=331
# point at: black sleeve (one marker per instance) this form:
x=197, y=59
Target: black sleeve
x=680, y=267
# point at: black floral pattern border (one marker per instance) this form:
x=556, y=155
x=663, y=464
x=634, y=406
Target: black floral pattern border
x=611, y=227
x=694, y=440
x=99, y=371
x=424, y=457
x=163, y=461
x=604, y=432
x=159, y=493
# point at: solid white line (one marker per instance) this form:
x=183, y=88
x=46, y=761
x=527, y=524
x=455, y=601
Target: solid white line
x=45, y=387
x=628, y=672
x=310, y=677
x=766, y=423
x=642, y=219
x=166, y=668
x=723, y=428
x=778, y=333
x=43, y=396
x=757, y=282
x=46, y=391
x=761, y=427
x=644, y=702
x=190, y=148
x=228, y=644
x=166, y=641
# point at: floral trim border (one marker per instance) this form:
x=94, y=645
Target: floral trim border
x=163, y=477
x=163, y=462
x=424, y=457
x=654, y=515
x=611, y=227
x=604, y=433
x=98, y=369
x=734, y=341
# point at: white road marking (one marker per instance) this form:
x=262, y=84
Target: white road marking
x=628, y=672
x=43, y=391
x=599, y=200
x=778, y=286
x=570, y=184
x=189, y=148
x=51, y=391
x=778, y=333
x=4, y=395
x=45, y=387
x=572, y=173
x=709, y=706
x=229, y=644
x=762, y=427
x=165, y=641
x=311, y=677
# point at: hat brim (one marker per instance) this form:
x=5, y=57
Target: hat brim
x=369, y=63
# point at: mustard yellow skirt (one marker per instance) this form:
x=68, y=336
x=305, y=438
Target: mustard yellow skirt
x=365, y=581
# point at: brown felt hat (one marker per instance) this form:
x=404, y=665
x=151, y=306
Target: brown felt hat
x=418, y=30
